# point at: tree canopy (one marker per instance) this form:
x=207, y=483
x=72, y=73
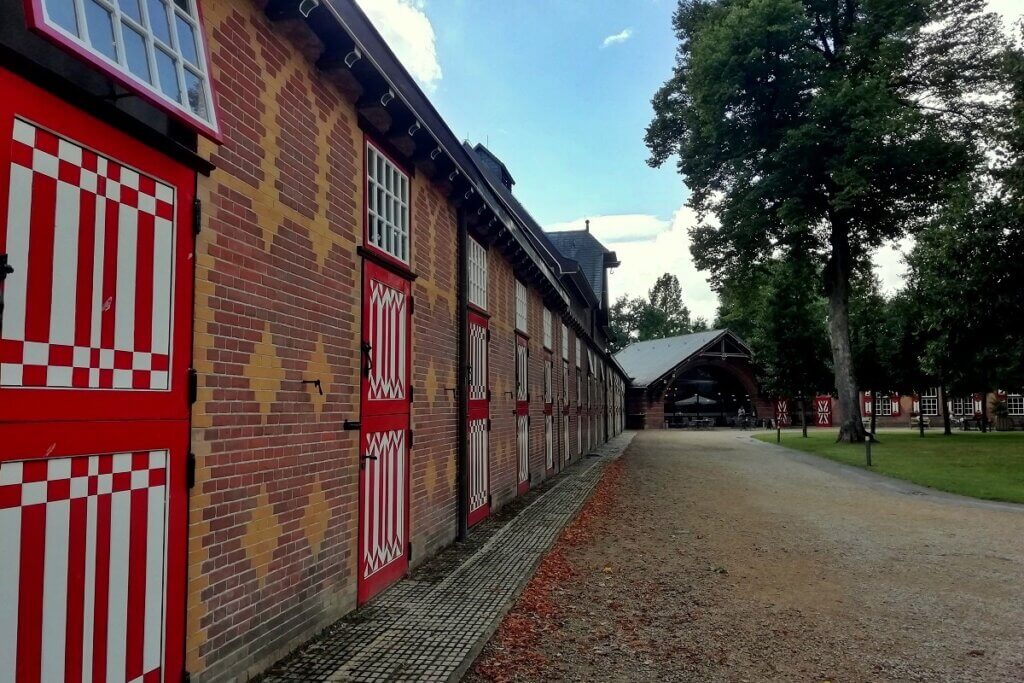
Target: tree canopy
x=836, y=125
x=659, y=315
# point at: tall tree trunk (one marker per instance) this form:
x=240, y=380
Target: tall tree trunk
x=947, y=426
x=837, y=287
x=803, y=417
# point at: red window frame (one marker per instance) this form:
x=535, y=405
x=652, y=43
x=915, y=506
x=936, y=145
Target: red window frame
x=35, y=16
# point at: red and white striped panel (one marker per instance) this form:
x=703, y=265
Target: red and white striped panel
x=479, y=464
x=388, y=335
x=82, y=550
x=478, y=362
x=549, y=446
x=523, y=447
x=92, y=243
x=522, y=372
x=383, y=498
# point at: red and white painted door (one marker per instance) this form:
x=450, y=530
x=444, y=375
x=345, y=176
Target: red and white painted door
x=479, y=416
x=384, y=442
x=782, y=412
x=823, y=410
x=95, y=344
x=549, y=416
x=522, y=414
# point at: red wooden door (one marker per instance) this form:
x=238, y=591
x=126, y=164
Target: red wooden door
x=384, y=442
x=95, y=346
x=522, y=414
x=823, y=408
x=549, y=417
x=479, y=417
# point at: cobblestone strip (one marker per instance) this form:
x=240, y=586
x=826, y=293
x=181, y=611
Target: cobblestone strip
x=424, y=630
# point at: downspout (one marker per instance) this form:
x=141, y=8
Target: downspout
x=461, y=393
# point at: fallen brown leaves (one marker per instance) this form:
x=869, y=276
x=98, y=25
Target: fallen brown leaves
x=514, y=651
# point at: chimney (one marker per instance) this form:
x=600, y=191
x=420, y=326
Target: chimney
x=588, y=225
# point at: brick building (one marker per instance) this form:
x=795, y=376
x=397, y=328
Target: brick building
x=272, y=336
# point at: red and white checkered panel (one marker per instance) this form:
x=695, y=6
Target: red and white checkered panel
x=82, y=582
x=92, y=243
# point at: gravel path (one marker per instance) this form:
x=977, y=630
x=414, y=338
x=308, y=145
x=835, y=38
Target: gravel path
x=708, y=556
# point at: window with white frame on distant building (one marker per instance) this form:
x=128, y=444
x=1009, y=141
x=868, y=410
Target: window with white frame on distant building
x=387, y=205
x=477, y=273
x=578, y=361
x=930, y=402
x=547, y=329
x=565, y=342
x=884, y=403
x=1015, y=404
x=522, y=307
x=963, y=406
x=155, y=47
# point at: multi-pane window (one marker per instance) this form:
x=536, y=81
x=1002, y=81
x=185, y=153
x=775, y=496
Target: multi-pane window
x=884, y=405
x=154, y=46
x=565, y=382
x=547, y=329
x=963, y=406
x=522, y=309
x=477, y=274
x=1015, y=404
x=578, y=360
x=387, y=205
x=565, y=342
x=930, y=402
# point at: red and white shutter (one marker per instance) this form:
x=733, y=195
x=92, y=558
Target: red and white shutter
x=522, y=414
x=978, y=399
x=384, y=442
x=896, y=407
x=94, y=412
x=479, y=415
x=782, y=411
x=823, y=410
x=867, y=405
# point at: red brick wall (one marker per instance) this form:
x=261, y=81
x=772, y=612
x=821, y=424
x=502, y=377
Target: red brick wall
x=273, y=516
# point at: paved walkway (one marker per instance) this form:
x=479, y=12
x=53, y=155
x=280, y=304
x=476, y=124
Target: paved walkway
x=432, y=625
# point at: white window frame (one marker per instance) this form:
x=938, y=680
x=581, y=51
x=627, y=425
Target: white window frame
x=387, y=205
x=929, y=402
x=883, y=404
x=548, y=389
x=565, y=382
x=522, y=308
x=118, y=66
x=578, y=360
x=961, y=406
x=477, y=258
x=565, y=342
x=547, y=329
x=1015, y=404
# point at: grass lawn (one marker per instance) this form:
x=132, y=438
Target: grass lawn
x=989, y=466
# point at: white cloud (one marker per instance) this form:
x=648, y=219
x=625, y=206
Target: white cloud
x=890, y=266
x=408, y=31
x=620, y=37
x=1012, y=10
x=648, y=247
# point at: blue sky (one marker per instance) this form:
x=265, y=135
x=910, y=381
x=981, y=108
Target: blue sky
x=561, y=90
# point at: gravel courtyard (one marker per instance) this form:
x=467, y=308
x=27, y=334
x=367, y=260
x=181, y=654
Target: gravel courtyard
x=708, y=556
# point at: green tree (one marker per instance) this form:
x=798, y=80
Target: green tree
x=661, y=314
x=841, y=120
x=790, y=345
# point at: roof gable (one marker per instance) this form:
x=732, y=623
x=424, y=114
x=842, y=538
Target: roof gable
x=647, y=362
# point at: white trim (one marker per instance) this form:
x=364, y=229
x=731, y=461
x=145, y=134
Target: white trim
x=477, y=258
x=522, y=308
x=547, y=329
x=387, y=205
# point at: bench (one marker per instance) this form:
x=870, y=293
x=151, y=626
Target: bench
x=915, y=422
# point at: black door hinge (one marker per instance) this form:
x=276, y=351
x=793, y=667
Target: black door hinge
x=197, y=216
x=488, y=394
x=190, y=471
x=488, y=335
x=490, y=423
x=410, y=438
x=193, y=386
x=412, y=393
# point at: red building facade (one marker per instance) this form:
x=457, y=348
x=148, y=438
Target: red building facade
x=273, y=335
